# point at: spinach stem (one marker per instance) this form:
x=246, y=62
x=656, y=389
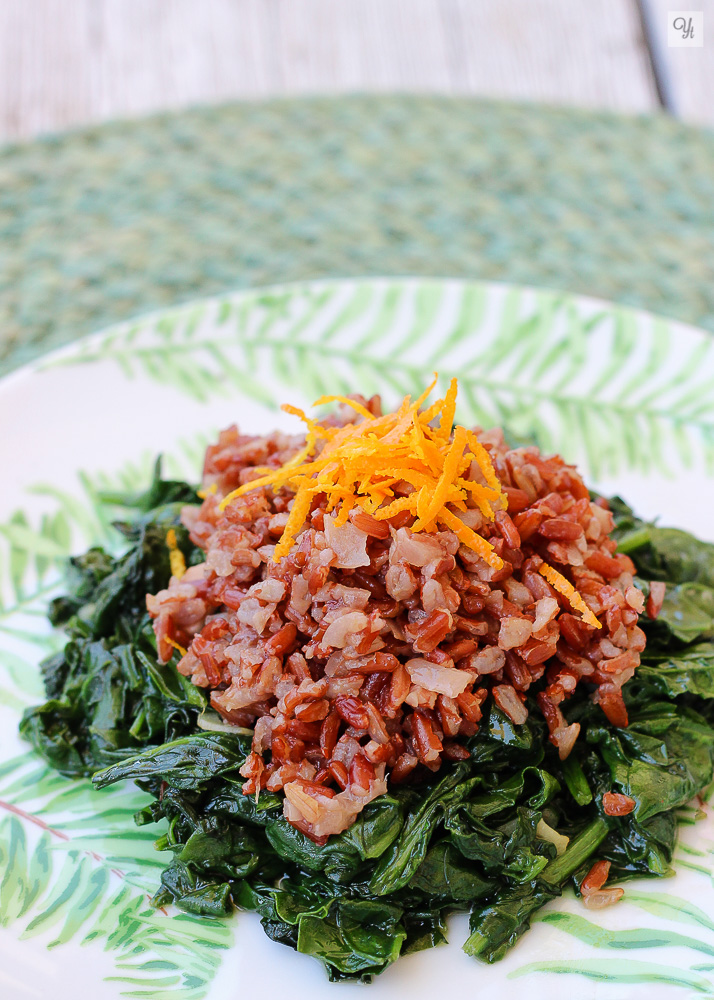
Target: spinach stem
x=576, y=852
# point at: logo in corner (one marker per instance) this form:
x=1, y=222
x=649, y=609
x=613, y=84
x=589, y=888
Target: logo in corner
x=685, y=29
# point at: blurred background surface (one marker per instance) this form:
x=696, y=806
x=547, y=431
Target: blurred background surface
x=156, y=151
x=65, y=63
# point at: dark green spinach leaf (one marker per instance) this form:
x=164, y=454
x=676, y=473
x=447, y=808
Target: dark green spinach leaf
x=472, y=837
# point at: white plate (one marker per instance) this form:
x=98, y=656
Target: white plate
x=626, y=395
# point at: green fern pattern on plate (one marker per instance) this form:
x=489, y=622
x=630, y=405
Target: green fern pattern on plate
x=76, y=870
x=619, y=391
x=605, y=384
x=73, y=865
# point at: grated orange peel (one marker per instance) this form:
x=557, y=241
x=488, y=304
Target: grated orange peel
x=177, y=646
x=361, y=463
x=210, y=491
x=440, y=468
x=176, y=557
x=564, y=587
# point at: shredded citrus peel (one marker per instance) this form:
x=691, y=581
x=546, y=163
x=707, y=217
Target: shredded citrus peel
x=564, y=587
x=441, y=467
x=176, y=645
x=207, y=492
x=361, y=463
x=176, y=559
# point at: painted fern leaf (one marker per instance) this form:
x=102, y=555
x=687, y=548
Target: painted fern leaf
x=76, y=868
x=608, y=387
x=96, y=822
x=60, y=893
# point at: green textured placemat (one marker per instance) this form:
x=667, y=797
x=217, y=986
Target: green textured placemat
x=121, y=218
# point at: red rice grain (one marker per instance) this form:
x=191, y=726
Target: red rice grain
x=369, y=651
x=617, y=804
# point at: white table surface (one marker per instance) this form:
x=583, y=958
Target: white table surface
x=64, y=63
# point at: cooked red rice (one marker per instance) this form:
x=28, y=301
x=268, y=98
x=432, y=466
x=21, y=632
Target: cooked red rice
x=369, y=651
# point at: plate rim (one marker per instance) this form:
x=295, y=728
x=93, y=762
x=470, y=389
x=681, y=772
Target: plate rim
x=65, y=351
x=37, y=365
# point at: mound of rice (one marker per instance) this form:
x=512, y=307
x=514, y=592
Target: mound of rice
x=366, y=654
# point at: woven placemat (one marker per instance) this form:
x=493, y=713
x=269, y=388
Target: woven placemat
x=118, y=219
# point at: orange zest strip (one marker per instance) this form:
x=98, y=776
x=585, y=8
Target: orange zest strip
x=176, y=645
x=296, y=519
x=485, y=465
x=449, y=473
x=294, y=411
x=469, y=538
x=176, y=559
x=396, y=507
x=357, y=407
x=447, y=414
x=202, y=494
x=564, y=587
x=386, y=465
x=344, y=512
x=425, y=395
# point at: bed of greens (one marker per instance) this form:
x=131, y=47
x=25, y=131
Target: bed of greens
x=468, y=840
